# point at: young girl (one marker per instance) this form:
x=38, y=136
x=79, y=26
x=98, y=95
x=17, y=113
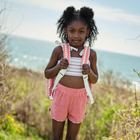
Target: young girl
x=70, y=96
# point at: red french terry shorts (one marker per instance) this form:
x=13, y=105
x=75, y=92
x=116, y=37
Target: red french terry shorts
x=69, y=103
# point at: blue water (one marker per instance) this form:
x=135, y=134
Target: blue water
x=35, y=54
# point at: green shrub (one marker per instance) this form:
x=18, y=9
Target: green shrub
x=8, y=124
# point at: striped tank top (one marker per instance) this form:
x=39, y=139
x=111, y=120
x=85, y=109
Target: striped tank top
x=74, y=68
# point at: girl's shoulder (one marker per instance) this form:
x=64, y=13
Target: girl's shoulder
x=58, y=49
x=93, y=54
x=58, y=52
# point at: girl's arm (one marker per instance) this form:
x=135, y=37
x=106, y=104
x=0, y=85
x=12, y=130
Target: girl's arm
x=92, y=69
x=53, y=67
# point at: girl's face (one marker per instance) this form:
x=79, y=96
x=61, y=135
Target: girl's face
x=77, y=32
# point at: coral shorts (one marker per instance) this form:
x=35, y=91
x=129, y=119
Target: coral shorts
x=69, y=103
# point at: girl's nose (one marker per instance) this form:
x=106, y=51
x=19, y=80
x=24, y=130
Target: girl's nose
x=76, y=35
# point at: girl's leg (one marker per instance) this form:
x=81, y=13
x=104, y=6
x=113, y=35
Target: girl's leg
x=58, y=128
x=72, y=130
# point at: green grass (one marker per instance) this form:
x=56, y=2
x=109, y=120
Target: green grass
x=8, y=136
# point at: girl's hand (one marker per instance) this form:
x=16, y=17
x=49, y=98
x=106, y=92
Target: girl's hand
x=86, y=69
x=63, y=63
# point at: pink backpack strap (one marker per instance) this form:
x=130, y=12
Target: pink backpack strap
x=66, y=51
x=85, y=59
x=49, y=87
x=52, y=83
x=86, y=54
x=61, y=73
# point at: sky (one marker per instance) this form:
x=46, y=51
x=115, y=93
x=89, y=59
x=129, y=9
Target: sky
x=118, y=21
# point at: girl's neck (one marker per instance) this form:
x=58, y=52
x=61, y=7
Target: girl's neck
x=78, y=47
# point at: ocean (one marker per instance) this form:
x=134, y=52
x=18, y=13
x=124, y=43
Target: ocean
x=34, y=55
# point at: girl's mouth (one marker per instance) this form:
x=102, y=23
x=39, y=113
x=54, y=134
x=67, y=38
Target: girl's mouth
x=76, y=41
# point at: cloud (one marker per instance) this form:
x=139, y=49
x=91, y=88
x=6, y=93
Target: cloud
x=105, y=13
x=101, y=12
x=117, y=15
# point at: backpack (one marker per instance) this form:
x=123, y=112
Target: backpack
x=52, y=82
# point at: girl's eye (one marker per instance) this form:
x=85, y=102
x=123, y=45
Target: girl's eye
x=71, y=31
x=81, y=31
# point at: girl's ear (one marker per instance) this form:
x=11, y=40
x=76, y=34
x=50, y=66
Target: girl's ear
x=66, y=31
x=88, y=32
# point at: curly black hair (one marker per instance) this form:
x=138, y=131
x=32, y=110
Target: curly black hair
x=85, y=14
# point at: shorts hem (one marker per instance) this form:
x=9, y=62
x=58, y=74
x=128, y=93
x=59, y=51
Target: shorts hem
x=77, y=122
x=58, y=120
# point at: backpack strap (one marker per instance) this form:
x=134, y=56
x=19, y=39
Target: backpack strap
x=61, y=73
x=49, y=86
x=66, y=51
x=85, y=59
